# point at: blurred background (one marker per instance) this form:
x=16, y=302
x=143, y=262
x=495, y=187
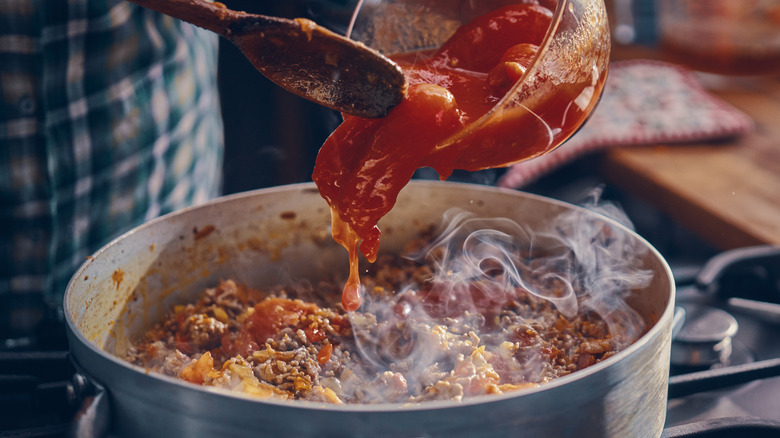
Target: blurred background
x=271, y=136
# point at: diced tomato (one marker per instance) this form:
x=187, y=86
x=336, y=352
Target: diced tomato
x=512, y=65
x=478, y=45
x=183, y=344
x=274, y=314
x=196, y=371
x=314, y=334
x=323, y=356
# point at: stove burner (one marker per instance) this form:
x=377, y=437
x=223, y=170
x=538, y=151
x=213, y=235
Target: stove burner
x=768, y=312
x=745, y=283
x=705, y=337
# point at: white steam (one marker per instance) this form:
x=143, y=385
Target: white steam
x=580, y=264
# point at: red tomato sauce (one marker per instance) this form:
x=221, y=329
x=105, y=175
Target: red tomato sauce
x=273, y=314
x=365, y=163
x=269, y=317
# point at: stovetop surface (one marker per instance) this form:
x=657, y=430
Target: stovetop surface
x=754, y=341
x=38, y=396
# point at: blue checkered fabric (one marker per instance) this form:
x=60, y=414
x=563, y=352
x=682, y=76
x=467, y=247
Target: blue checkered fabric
x=109, y=116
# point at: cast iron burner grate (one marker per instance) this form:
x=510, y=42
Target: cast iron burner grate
x=738, y=288
x=37, y=394
x=36, y=391
x=736, y=427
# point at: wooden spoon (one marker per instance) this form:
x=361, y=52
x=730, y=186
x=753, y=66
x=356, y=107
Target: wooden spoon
x=301, y=56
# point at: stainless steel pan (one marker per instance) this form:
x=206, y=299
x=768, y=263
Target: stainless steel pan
x=267, y=236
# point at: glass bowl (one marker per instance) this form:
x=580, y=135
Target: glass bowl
x=544, y=107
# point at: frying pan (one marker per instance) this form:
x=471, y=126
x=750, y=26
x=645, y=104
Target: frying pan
x=280, y=234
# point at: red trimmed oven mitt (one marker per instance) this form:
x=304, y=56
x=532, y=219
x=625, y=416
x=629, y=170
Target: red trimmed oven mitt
x=644, y=102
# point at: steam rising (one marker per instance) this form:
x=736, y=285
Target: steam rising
x=579, y=264
x=496, y=254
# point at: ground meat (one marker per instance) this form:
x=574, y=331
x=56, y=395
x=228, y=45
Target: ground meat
x=393, y=386
x=175, y=362
x=408, y=343
x=295, y=370
x=205, y=331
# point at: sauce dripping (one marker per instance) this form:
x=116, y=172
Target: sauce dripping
x=346, y=237
x=365, y=163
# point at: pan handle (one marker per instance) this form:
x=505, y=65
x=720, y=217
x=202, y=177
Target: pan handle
x=94, y=417
x=686, y=384
x=719, y=265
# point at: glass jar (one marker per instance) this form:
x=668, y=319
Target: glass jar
x=544, y=107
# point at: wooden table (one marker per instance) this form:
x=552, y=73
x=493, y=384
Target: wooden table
x=728, y=193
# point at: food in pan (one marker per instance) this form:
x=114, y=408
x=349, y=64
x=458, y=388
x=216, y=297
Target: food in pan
x=365, y=163
x=446, y=321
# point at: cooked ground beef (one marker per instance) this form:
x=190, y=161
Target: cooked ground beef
x=413, y=340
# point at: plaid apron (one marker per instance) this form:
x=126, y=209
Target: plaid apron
x=109, y=116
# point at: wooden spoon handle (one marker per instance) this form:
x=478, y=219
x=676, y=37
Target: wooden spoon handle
x=301, y=56
x=215, y=17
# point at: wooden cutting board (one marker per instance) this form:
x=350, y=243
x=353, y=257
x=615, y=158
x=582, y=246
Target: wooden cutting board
x=728, y=192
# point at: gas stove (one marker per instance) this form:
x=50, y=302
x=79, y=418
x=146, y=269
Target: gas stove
x=726, y=350
x=37, y=397
x=725, y=358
